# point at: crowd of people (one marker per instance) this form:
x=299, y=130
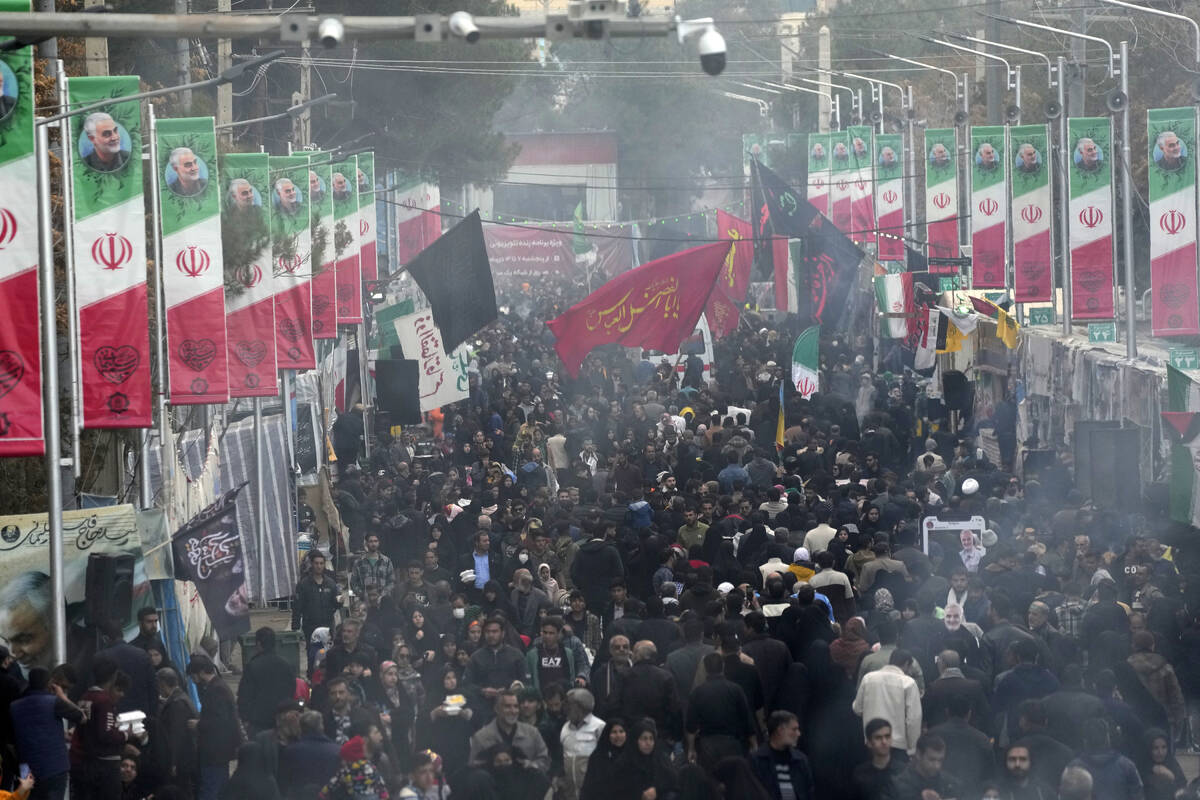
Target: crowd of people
x=618, y=586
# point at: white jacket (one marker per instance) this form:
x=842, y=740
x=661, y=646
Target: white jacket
x=889, y=694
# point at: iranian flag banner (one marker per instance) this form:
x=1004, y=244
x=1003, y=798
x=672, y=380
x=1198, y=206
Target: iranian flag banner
x=324, y=247
x=366, y=219
x=250, y=288
x=841, y=174
x=1175, y=307
x=894, y=299
x=1032, y=211
x=806, y=362
x=818, y=171
x=418, y=218
x=345, y=215
x=1182, y=425
x=20, y=339
x=989, y=207
x=110, y=255
x=192, y=271
x=889, y=195
x=291, y=250
x=941, y=196
x=862, y=186
x=1090, y=221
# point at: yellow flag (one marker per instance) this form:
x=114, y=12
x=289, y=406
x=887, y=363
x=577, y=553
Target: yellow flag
x=1007, y=329
x=954, y=339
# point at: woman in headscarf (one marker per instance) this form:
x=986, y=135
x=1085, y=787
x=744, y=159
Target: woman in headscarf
x=869, y=523
x=752, y=545
x=833, y=733
x=422, y=635
x=849, y=648
x=395, y=707
x=251, y=779
x=600, y=781
x=1161, y=773
x=444, y=726
x=726, y=568
x=839, y=547
x=644, y=765
x=495, y=599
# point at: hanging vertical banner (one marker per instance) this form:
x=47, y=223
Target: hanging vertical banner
x=941, y=197
x=1090, y=220
x=345, y=214
x=366, y=218
x=818, y=171
x=1175, y=308
x=291, y=250
x=324, y=248
x=889, y=196
x=862, y=186
x=418, y=219
x=20, y=339
x=989, y=207
x=841, y=173
x=110, y=255
x=250, y=278
x=1033, y=246
x=192, y=271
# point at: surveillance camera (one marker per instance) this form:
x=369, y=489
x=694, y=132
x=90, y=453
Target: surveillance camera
x=712, y=52
x=331, y=32
x=462, y=25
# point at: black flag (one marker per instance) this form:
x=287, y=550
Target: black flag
x=456, y=277
x=397, y=382
x=208, y=552
x=787, y=212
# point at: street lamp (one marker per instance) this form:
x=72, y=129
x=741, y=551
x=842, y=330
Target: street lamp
x=876, y=90
x=837, y=106
x=1051, y=75
x=1012, y=74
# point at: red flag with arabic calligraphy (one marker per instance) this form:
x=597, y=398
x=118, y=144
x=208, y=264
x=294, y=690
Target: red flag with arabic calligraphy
x=655, y=306
x=722, y=309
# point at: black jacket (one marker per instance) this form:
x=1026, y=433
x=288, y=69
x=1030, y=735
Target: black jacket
x=268, y=681
x=314, y=604
x=134, y=662
x=218, y=734
x=171, y=744
x=763, y=760
x=649, y=691
x=595, y=566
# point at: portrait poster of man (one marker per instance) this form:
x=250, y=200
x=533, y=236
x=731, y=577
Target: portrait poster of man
x=1028, y=159
x=26, y=605
x=1171, y=179
x=186, y=160
x=105, y=144
x=1088, y=155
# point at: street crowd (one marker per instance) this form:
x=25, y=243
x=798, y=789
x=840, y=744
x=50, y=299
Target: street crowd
x=618, y=587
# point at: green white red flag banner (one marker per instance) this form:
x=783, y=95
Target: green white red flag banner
x=989, y=207
x=1032, y=211
x=366, y=219
x=806, y=362
x=1174, y=305
x=841, y=203
x=346, y=222
x=324, y=282
x=192, y=269
x=894, y=297
x=889, y=196
x=291, y=242
x=418, y=218
x=110, y=255
x=1090, y=217
x=250, y=293
x=941, y=196
x=21, y=431
x=862, y=186
x=818, y=171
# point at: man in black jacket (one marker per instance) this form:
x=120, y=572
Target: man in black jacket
x=314, y=604
x=134, y=662
x=266, y=682
x=172, y=750
x=492, y=668
x=217, y=733
x=596, y=566
x=648, y=690
x=781, y=768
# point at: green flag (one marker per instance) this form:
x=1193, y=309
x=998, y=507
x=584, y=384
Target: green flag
x=806, y=362
x=581, y=244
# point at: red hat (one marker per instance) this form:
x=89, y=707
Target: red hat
x=354, y=750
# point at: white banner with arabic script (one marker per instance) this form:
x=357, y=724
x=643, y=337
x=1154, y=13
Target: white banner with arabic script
x=443, y=377
x=25, y=567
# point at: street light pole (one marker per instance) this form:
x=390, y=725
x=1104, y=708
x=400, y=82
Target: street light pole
x=1064, y=193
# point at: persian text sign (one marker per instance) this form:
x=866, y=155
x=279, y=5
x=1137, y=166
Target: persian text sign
x=249, y=301
x=889, y=196
x=20, y=341
x=1033, y=253
x=941, y=194
x=192, y=271
x=1090, y=217
x=1175, y=307
x=989, y=207
x=110, y=255
x=443, y=377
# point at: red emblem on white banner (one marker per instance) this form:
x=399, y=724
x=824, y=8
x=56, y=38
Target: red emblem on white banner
x=290, y=265
x=1172, y=222
x=843, y=185
x=8, y=227
x=363, y=227
x=988, y=206
x=941, y=199
x=862, y=185
x=1031, y=213
x=890, y=196
x=112, y=251
x=193, y=261
x=818, y=183
x=1091, y=216
x=250, y=276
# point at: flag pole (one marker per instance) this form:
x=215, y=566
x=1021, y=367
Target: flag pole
x=166, y=470
x=68, y=191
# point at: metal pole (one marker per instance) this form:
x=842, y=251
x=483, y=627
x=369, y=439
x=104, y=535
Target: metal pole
x=1127, y=212
x=964, y=229
x=879, y=102
x=910, y=165
x=68, y=192
x=1017, y=87
x=166, y=470
x=260, y=498
x=364, y=377
x=50, y=397
x=1064, y=194
x=837, y=111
